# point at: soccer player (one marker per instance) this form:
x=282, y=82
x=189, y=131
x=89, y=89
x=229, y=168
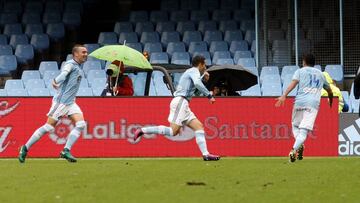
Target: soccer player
x=63, y=104
x=307, y=101
x=180, y=112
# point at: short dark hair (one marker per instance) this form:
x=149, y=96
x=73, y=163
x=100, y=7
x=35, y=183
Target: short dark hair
x=309, y=59
x=76, y=47
x=197, y=60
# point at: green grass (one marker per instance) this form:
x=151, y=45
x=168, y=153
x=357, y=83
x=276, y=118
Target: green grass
x=181, y=180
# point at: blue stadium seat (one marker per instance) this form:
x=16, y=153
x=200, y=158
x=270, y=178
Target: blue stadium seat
x=85, y=92
x=51, y=17
x=36, y=92
x=8, y=64
x=197, y=47
x=175, y=47
x=30, y=18
x=144, y=27
x=139, y=84
x=128, y=37
x=159, y=58
x=91, y=65
x=346, y=97
x=34, y=83
x=138, y=16
x=92, y=74
x=247, y=25
x=17, y=93
x=205, y=54
x=238, y=46
x=123, y=27
x=179, y=16
x=167, y=37
x=97, y=83
x=209, y=5
x=354, y=103
x=3, y=93
x=6, y=50
x=160, y=87
x=207, y=26
x=97, y=91
x=246, y=62
x=233, y=35
x=252, y=91
x=221, y=15
x=48, y=66
x=242, y=14
x=3, y=39
x=285, y=86
x=249, y=36
x=165, y=27
x=176, y=78
x=180, y=58
x=12, y=29
x=270, y=78
x=53, y=6
x=12, y=7
x=18, y=39
x=56, y=31
x=220, y=55
x=49, y=75
x=288, y=70
x=92, y=47
x=271, y=89
x=253, y=70
x=318, y=67
x=73, y=6
x=153, y=47
x=228, y=61
x=40, y=42
x=281, y=57
x=8, y=18
x=30, y=74
x=158, y=16
x=71, y=19
x=269, y=70
x=242, y=54
x=218, y=46
x=14, y=84
x=152, y=91
x=24, y=53
x=211, y=36
x=34, y=6
x=228, y=25
x=106, y=38
x=137, y=46
x=229, y=4
x=149, y=37
x=199, y=15
x=31, y=29
x=336, y=72
x=191, y=36
x=182, y=27
x=189, y=5
x=280, y=45
x=169, y=5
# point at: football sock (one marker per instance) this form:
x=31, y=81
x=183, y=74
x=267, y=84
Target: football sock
x=162, y=130
x=38, y=134
x=201, y=142
x=75, y=134
x=300, y=139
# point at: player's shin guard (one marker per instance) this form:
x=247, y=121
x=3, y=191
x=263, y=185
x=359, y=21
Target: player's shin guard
x=75, y=134
x=38, y=134
x=201, y=141
x=162, y=130
x=300, y=139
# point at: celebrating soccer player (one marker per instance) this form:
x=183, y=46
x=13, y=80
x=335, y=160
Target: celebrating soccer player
x=67, y=85
x=180, y=112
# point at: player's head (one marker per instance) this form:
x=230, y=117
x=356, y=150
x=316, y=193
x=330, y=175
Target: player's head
x=79, y=53
x=199, y=62
x=308, y=60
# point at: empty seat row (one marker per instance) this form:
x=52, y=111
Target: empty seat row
x=39, y=6
x=173, y=5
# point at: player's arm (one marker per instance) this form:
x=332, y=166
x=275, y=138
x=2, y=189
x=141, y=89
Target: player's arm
x=201, y=87
x=330, y=94
x=62, y=76
x=282, y=98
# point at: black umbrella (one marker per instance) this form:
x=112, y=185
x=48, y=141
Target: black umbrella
x=236, y=77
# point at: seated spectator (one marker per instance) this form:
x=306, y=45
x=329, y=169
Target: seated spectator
x=118, y=84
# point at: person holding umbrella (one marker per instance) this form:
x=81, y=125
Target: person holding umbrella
x=118, y=83
x=180, y=112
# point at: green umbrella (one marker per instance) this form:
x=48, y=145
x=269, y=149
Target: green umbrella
x=127, y=55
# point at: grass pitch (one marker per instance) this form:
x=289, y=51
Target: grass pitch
x=181, y=180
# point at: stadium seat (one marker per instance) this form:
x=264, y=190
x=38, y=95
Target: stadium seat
x=159, y=58
x=3, y=93
x=184, y=26
x=229, y=25
x=123, y=27
x=242, y=54
x=17, y=93
x=189, y=5
x=167, y=37
x=12, y=29
x=270, y=78
x=138, y=16
x=137, y=46
x=253, y=70
x=318, y=67
x=8, y=64
x=158, y=16
x=30, y=74
x=36, y=92
x=161, y=88
x=18, y=39
x=191, y=36
x=48, y=66
x=170, y=5
x=218, y=46
x=252, y=91
x=3, y=39
x=199, y=15
x=175, y=47
x=56, y=31
x=91, y=47
x=128, y=37
x=271, y=89
x=246, y=62
x=336, y=72
x=179, y=16
x=238, y=46
x=220, y=55
x=288, y=70
x=197, y=47
x=14, y=84
x=31, y=29
x=97, y=91
x=249, y=36
x=346, y=97
x=6, y=50
x=176, y=78
x=12, y=7
x=221, y=61
x=53, y=6
x=247, y=25
x=144, y=27
x=205, y=54
x=285, y=86
x=149, y=37
x=73, y=6
x=207, y=26
x=281, y=57
x=30, y=18
x=241, y=15
x=106, y=38
x=153, y=47
x=24, y=53
x=8, y=18
x=85, y=92
x=139, y=84
x=221, y=15
x=211, y=36
x=71, y=19
x=229, y=4
x=233, y=35
x=97, y=83
x=165, y=27
x=40, y=42
x=34, y=6
x=48, y=76
x=34, y=83
x=91, y=65
x=269, y=70
x=209, y=5
x=51, y=17
x=180, y=58
x=92, y=74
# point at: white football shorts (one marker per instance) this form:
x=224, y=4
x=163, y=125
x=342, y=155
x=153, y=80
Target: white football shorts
x=304, y=117
x=58, y=110
x=180, y=112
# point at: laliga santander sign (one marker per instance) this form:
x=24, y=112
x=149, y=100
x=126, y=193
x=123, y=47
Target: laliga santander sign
x=5, y=109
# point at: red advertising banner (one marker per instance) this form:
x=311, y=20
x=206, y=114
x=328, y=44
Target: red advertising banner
x=233, y=126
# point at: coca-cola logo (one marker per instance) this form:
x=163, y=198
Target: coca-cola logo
x=62, y=130
x=6, y=109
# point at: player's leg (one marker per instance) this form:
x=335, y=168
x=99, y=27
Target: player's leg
x=297, y=115
x=197, y=126
x=77, y=117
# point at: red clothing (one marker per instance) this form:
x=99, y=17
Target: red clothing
x=125, y=88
